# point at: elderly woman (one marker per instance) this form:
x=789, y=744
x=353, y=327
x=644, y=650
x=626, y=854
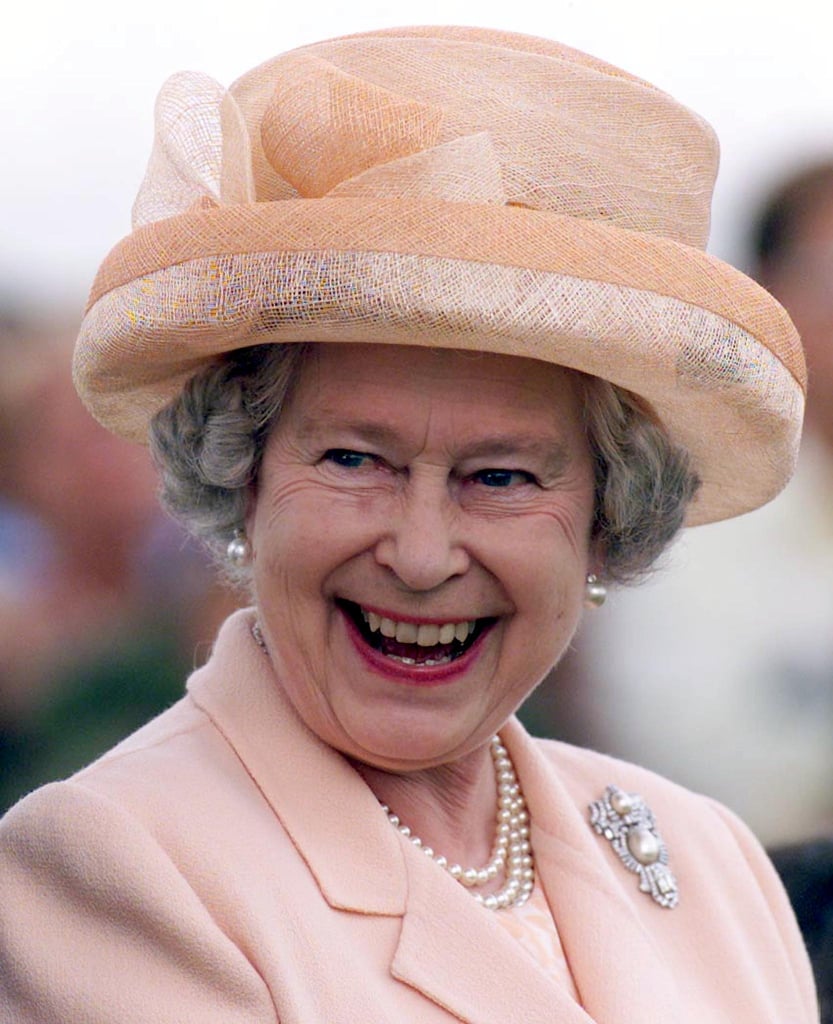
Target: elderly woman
x=422, y=333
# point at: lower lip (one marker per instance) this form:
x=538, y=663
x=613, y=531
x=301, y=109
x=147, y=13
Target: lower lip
x=413, y=675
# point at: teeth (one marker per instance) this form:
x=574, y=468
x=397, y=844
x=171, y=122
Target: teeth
x=447, y=631
x=406, y=632
x=427, y=636
x=424, y=635
x=427, y=663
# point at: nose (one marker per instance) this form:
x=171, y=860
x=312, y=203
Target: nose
x=423, y=544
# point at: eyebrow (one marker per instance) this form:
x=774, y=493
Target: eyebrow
x=366, y=431
x=551, y=455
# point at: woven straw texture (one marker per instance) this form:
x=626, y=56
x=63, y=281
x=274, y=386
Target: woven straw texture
x=448, y=187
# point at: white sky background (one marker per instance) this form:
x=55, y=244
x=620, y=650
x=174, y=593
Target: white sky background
x=79, y=81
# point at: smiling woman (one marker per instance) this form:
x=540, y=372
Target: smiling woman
x=413, y=530
x=421, y=332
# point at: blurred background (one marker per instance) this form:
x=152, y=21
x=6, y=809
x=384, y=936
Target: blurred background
x=717, y=672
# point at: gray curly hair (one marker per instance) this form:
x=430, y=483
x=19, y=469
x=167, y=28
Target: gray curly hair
x=208, y=444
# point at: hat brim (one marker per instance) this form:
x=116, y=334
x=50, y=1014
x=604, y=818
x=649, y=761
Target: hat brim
x=714, y=355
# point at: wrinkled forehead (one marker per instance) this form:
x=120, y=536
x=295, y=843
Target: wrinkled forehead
x=477, y=403
x=346, y=370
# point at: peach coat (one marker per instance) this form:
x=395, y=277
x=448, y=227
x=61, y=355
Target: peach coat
x=224, y=866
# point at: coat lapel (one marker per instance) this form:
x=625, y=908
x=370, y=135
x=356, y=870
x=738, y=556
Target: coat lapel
x=317, y=796
x=609, y=947
x=457, y=954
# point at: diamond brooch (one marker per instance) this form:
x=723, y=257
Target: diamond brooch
x=628, y=822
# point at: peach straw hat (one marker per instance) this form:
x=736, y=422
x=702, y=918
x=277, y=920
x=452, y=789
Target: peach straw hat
x=448, y=187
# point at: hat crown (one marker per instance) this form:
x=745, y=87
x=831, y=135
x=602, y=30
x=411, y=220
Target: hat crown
x=451, y=188
x=463, y=115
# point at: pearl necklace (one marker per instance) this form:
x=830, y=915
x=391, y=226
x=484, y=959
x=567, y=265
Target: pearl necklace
x=511, y=843
x=511, y=851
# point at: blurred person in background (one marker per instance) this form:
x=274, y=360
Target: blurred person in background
x=103, y=600
x=718, y=670
x=793, y=244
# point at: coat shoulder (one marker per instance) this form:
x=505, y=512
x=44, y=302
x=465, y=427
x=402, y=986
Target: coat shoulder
x=696, y=822
x=583, y=771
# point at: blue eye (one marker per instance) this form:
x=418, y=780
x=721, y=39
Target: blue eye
x=346, y=458
x=502, y=477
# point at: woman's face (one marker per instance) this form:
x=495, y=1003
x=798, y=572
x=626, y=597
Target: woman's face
x=420, y=534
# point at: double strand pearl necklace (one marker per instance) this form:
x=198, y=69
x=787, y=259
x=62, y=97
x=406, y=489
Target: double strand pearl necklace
x=511, y=852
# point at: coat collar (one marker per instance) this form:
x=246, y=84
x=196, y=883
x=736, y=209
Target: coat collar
x=325, y=806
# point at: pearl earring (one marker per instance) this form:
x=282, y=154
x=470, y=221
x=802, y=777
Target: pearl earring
x=239, y=550
x=595, y=592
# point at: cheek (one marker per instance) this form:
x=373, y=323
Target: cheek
x=545, y=588
x=302, y=531
x=548, y=566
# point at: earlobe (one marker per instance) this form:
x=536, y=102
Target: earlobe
x=248, y=518
x=597, y=558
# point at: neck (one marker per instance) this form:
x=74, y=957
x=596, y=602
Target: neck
x=451, y=807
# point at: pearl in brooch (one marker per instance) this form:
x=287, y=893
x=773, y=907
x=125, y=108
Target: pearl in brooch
x=511, y=851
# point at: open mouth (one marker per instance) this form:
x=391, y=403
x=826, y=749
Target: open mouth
x=411, y=643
